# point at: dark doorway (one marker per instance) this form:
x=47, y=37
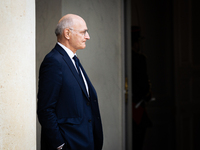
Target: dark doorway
x=154, y=19
x=170, y=41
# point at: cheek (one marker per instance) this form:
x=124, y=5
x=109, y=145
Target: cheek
x=80, y=42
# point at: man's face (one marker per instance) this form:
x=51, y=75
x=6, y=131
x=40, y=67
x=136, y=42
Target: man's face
x=79, y=36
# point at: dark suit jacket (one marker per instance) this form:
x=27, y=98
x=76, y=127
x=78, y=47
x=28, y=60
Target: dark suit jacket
x=65, y=111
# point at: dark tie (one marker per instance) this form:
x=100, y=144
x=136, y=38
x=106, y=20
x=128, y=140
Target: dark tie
x=77, y=62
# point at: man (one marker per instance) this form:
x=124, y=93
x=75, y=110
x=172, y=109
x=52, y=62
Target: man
x=141, y=91
x=67, y=102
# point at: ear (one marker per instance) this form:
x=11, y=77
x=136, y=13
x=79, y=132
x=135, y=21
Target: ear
x=66, y=33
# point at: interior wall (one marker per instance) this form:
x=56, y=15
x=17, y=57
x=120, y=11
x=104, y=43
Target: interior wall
x=102, y=58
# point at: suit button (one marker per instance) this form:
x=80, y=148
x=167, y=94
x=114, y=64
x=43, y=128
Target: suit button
x=95, y=100
x=88, y=103
x=89, y=121
x=98, y=117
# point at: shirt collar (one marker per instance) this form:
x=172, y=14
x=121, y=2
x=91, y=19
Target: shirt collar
x=68, y=51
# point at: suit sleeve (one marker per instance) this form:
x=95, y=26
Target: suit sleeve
x=50, y=82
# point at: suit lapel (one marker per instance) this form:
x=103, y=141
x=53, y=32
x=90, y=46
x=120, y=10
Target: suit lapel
x=72, y=68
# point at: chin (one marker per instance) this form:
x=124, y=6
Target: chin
x=83, y=47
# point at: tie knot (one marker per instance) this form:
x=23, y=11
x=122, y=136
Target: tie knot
x=75, y=59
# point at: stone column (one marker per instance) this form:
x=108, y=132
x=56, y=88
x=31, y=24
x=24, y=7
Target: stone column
x=17, y=75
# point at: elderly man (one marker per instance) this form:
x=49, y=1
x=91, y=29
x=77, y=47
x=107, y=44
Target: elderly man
x=67, y=101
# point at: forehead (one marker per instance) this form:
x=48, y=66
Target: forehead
x=79, y=24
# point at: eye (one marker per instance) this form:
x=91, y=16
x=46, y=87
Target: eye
x=84, y=32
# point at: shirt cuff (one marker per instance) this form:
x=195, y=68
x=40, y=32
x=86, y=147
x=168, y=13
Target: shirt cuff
x=61, y=146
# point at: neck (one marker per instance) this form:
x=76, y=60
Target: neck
x=68, y=46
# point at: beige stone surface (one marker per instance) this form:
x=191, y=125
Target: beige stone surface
x=17, y=75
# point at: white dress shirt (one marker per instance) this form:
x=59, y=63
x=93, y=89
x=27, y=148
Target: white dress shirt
x=71, y=55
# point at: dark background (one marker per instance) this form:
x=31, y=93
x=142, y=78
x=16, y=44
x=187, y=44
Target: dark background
x=171, y=44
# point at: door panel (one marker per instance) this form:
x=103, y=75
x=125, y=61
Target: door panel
x=187, y=73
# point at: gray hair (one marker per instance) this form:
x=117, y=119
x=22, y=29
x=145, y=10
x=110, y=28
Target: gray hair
x=66, y=22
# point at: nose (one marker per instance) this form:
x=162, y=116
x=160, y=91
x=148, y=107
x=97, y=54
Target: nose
x=87, y=36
